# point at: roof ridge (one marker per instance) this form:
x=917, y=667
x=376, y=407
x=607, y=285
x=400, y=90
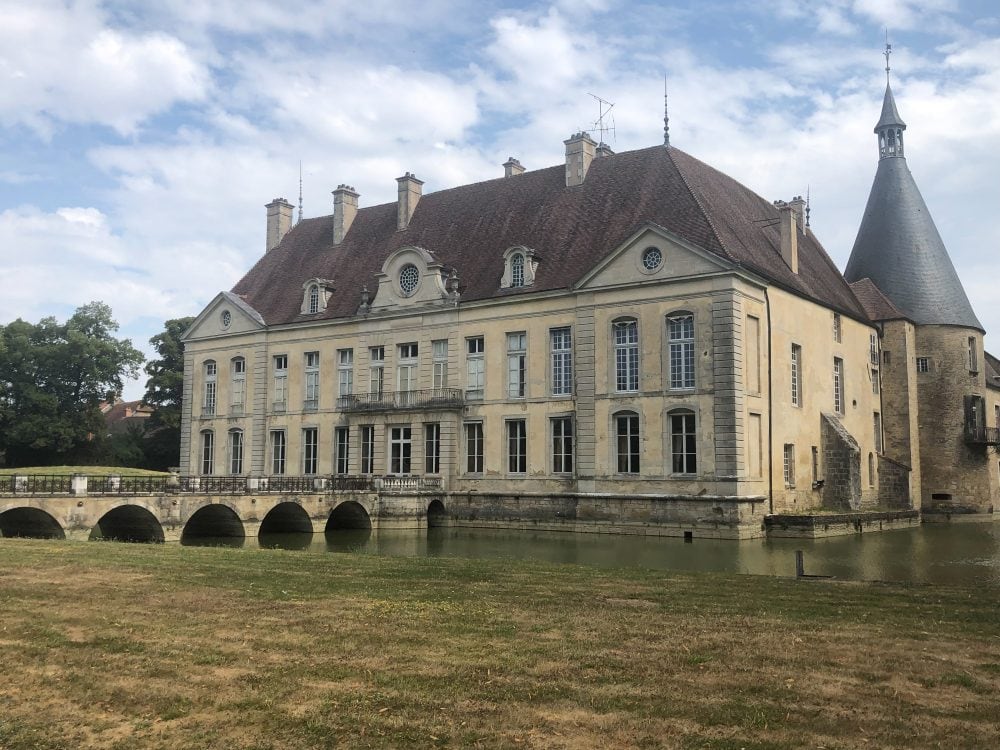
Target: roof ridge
x=704, y=213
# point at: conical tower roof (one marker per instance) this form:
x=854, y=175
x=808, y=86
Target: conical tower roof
x=898, y=247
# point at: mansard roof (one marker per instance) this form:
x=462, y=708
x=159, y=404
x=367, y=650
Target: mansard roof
x=571, y=229
x=877, y=305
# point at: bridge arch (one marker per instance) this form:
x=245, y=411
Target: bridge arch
x=349, y=514
x=33, y=523
x=128, y=523
x=286, y=518
x=213, y=521
x=437, y=515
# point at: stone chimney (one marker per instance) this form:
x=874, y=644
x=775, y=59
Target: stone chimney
x=603, y=149
x=798, y=204
x=345, y=208
x=409, y=196
x=512, y=167
x=580, y=150
x=279, y=221
x=788, y=222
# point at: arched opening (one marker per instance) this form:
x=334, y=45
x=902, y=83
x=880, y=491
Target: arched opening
x=214, y=525
x=128, y=523
x=286, y=526
x=436, y=514
x=349, y=528
x=30, y=522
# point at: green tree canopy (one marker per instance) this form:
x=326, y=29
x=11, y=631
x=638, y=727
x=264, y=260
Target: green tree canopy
x=164, y=390
x=53, y=377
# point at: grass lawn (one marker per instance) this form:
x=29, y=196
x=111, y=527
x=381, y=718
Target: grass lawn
x=129, y=646
x=93, y=471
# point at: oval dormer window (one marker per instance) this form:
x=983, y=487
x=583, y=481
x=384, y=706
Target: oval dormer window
x=227, y=318
x=409, y=279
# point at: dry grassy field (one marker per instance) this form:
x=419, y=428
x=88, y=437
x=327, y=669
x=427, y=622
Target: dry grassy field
x=107, y=645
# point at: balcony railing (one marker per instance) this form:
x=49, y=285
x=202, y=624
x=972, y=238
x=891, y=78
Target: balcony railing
x=428, y=398
x=118, y=485
x=975, y=435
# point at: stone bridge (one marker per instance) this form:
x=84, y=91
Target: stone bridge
x=173, y=516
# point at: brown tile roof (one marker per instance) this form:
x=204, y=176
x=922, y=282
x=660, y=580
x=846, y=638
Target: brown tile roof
x=876, y=304
x=468, y=228
x=992, y=370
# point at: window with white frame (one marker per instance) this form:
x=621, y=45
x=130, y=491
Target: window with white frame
x=517, y=270
x=406, y=371
x=923, y=364
x=207, y=452
x=517, y=364
x=310, y=450
x=873, y=349
x=367, y=440
x=311, y=400
x=400, y=449
x=561, y=348
x=439, y=356
x=627, y=444
x=280, y=382
x=626, y=337
x=432, y=448
x=475, y=364
x=342, y=441
x=562, y=445
x=838, y=385
x=789, y=465
x=681, y=344
x=237, y=384
x=796, y=375
x=235, y=451
x=838, y=328
x=474, y=447
x=278, y=451
x=345, y=372
x=312, y=305
x=517, y=446
x=208, y=401
x=376, y=370
x=683, y=443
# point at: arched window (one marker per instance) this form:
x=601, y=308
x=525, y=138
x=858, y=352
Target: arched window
x=313, y=305
x=235, y=451
x=207, y=452
x=208, y=402
x=517, y=270
x=627, y=442
x=683, y=442
x=626, y=338
x=680, y=332
x=237, y=384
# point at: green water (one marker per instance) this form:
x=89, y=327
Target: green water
x=967, y=554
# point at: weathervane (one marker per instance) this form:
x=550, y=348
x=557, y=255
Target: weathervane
x=666, y=116
x=300, y=191
x=888, y=51
x=604, y=108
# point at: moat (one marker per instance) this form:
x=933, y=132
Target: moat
x=967, y=554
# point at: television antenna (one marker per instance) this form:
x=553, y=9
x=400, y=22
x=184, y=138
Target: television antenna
x=605, y=122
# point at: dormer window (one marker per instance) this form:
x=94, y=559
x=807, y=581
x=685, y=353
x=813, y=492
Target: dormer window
x=315, y=294
x=313, y=299
x=519, y=266
x=517, y=270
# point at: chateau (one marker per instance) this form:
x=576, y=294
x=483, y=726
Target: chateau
x=622, y=341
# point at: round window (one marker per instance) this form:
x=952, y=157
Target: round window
x=652, y=258
x=409, y=278
x=227, y=318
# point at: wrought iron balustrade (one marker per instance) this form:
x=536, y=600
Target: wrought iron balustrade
x=975, y=435
x=121, y=485
x=427, y=398
x=37, y=484
x=213, y=485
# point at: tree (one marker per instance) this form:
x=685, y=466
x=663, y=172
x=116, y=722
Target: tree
x=53, y=378
x=164, y=391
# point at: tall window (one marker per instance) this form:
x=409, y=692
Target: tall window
x=376, y=371
x=439, y=353
x=235, y=451
x=208, y=402
x=280, y=386
x=311, y=402
x=432, y=448
x=475, y=366
x=517, y=364
x=310, y=450
x=367, y=448
x=838, y=385
x=838, y=328
x=238, y=385
x=873, y=360
x=627, y=448
x=474, y=447
x=406, y=372
x=517, y=446
x=683, y=443
x=681, y=328
x=400, y=449
x=345, y=372
x=877, y=426
x=277, y=451
x=871, y=469
x=208, y=452
x=789, y=465
x=562, y=445
x=796, y=375
x=561, y=340
x=626, y=333
x=753, y=354
x=973, y=355
x=815, y=465
x=313, y=299
x=517, y=270
x=342, y=438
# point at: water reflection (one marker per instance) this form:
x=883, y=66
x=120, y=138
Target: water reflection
x=946, y=553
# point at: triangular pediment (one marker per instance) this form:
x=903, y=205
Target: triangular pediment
x=635, y=260
x=225, y=315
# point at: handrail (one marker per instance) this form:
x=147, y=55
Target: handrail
x=440, y=398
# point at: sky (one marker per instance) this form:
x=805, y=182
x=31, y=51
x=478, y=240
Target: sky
x=139, y=142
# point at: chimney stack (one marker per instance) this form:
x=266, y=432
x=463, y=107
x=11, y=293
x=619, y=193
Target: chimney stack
x=279, y=221
x=345, y=208
x=798, y=204
x=512, y=167
x=603, y=149
x=580, y=150
x=409, y=196
x=788, y=221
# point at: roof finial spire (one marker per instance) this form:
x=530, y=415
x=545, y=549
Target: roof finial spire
x=666, y=114
x=888, y=51
x=300, y=191
x=807, y=207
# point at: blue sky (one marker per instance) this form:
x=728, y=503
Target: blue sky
x=139, y=142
